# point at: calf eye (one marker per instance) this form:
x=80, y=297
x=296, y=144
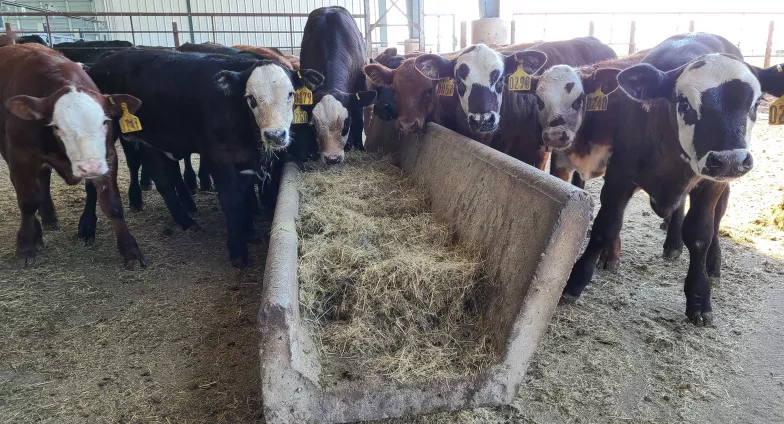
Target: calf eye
x=429, y=91
x=291, y=95
x=683, y=106
x=346, y=127
x=251, y=101
x=578, y=103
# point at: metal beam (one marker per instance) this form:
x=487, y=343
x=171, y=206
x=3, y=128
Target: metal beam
x=190, y=20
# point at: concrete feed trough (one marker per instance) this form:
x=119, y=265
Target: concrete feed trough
x=530, y=224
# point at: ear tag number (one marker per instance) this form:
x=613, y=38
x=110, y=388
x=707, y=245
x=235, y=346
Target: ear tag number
x=596, y=101
x=303, y=96
x=776, y=112
x=519, y=80
x=300, y=116
x=446, y=87
x=128, y=121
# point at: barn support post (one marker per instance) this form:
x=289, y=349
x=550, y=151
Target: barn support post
x=769, y=45
x=214, y=34
x=513, y=31
x=8, y=30
x=632, y=44
x=133, y=34
x=176, y=34
x=382, y=5
x=190, y=20
x=421, y=22
x=691, y=26
x=590, y=28
x=49, y=31
x=368, y=38
x=463, y=34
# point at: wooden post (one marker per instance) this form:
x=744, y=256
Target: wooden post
x=769, y=46
x=8, y=31
x=632, y=31
x=590, y=28
x=513, y=30
x=176, y=35
x=463, y=34
x=691, y=26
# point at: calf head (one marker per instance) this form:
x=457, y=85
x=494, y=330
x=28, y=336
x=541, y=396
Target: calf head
x=385, y=106
x=713, y=101
x=81, y=120
x=479, y=73
x=268, y=89
x=331, y=121
x=561, y=93
x=413, y=93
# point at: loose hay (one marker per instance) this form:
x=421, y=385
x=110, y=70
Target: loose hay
x=777, y=215
x=385, y=287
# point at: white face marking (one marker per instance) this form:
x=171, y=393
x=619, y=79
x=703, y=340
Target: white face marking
x=272, y=91
x=329, y=118
x=551, y=90
x=693, y=82
x=481, y=62
x=79, y=122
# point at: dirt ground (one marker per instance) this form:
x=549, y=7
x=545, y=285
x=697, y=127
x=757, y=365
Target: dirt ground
x=84, y=340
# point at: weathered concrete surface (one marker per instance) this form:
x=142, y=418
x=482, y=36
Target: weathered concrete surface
x=532, y=227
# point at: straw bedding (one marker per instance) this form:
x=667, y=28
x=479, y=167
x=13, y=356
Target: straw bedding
x=386, y=288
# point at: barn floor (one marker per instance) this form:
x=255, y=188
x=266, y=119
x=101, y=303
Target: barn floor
x=83, y=340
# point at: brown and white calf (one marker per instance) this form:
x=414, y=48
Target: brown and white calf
x=684, y=127
x=54, y=116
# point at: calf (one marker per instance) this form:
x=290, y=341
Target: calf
x=233, y=111
x=270, y=53
x=333, y=45
x=385, y=106
x=88, y=52
x=54, y=117
x=684, y=128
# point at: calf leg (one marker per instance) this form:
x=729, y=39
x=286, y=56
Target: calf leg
x=205, y=181
x=698, y=233
x=46, y=208
x=111, y=206
x=578, y=181
x=172, y=169
x=88, y=219
x=271, y=186
x=355, y=136
x=189, y=175
x=713, y=261
x=133, y=157
x=29, y=195
x=606, y=229
x=232, y=192
x=673, y=244
x=146, y=184
x=161, y=176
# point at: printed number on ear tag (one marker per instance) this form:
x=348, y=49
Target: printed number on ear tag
x=596, y=101
x=303, y=96
x=128, y=121
x=445, y=87
x=519, y=80
x=776, y=112
x=300, y=116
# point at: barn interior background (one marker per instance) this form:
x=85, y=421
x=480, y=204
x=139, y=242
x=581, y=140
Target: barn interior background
x=445, y=24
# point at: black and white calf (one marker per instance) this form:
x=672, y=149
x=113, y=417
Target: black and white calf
x=233, y=111
x=685, y=128
x=333, y=46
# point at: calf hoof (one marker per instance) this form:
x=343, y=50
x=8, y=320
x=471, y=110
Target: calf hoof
x=608, y=264
x=136, y=207
x=24, y=260
x=701, y=319
x=206, y=188
x=50, y=225
x=240, y=263
x=146, y=187
x=192, y=191
x=567, y=299
x=86, y=234
x=672, y=253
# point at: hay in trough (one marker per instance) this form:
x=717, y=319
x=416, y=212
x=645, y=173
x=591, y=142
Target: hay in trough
x=777, y=215
x=386, y=288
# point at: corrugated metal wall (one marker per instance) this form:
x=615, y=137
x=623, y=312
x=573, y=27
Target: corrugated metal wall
x=70, y=28
x=205, y=30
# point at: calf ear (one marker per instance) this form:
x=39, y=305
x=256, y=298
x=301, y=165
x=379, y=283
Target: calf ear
x=27, y=108
x=434, y=66
x=307, y=77
x=643, y=82
x=362, y=99
x=115, y=102
x=771, y=79
x=531, y=60
x=604, y=78
x=379, y=74
x=227, y=81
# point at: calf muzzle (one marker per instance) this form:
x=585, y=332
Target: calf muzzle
x=728, y=164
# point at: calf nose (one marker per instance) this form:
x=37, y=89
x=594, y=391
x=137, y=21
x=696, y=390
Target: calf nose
x=558, y=139
x=482, y=122
x=276, y=137
x=408, y=125
x=333, y=160
x=90, y=168
x=728, y=164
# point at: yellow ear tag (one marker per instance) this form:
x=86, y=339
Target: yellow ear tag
x=446, y=87
x=303, y=96
x=519, y=80
x=778, y=68
x=300, y=116
x=596, y=101
x=128, y=121
x=776, y=112
x=357, y=94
